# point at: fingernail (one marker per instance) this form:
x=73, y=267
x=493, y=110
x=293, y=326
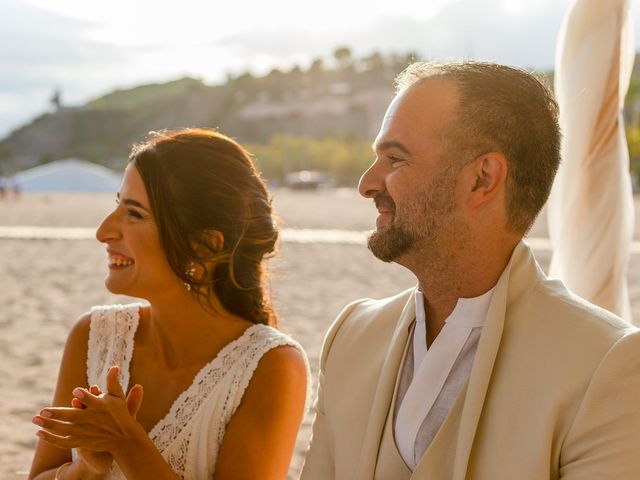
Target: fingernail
x=37, y=421
x=45, y=413
x=79, y=393
x=40, y=434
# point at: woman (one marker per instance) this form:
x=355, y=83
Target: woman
x=224, y=391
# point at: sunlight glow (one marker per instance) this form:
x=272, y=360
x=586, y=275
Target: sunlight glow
x=149, y=23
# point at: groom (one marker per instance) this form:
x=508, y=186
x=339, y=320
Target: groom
x=487, y=370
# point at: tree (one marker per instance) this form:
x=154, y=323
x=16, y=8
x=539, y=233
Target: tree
x=56, y=99
x=374, y=61
x=343, y=56
x=317, y=66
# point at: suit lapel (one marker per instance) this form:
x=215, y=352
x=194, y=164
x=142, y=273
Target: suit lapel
x=389, y=462
x=384, y=392
x=459, y=428
x=457, y=432
x=480, y=376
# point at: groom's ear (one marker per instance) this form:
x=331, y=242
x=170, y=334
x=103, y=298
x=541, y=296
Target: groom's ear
x=485, y=178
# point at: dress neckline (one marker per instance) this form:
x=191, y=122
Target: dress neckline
x=154, y=432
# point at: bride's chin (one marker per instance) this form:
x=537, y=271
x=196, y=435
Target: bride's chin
x=115, y=287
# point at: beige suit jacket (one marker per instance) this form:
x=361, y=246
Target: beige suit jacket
x=554, y=391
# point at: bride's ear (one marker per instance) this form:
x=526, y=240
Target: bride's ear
x=209, y=243
x=208, y=246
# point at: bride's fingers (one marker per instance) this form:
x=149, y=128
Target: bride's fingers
x=87, y=398
x=134, y=400
x=56, y=427
x=94, y=389
x=63, y=414
x=113, y=382
x=58, y=441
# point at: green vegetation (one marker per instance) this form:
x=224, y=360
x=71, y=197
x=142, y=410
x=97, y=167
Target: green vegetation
x=345, y=158
x=633, y=139
x=321, y=117
x=146, y=94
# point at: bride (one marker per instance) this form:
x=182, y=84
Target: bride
x=224, y=390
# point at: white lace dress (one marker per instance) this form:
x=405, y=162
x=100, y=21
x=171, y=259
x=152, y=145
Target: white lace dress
x=191, y=433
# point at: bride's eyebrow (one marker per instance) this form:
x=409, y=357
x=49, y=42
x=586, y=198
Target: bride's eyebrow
x=131, y=202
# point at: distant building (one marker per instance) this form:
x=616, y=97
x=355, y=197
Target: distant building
x=70, y=175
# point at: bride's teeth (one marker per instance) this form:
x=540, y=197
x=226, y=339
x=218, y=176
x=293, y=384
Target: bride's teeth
x=120, y=262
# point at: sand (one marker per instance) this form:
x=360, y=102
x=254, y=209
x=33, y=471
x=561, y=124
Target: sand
x=46, y=284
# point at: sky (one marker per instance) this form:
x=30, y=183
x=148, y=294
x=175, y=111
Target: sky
x=87, y=48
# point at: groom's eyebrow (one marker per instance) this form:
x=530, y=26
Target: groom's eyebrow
x=382, y=146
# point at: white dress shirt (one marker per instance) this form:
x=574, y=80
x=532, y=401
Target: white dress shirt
x=431, y=378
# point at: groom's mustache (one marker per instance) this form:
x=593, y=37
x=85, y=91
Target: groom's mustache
x=384, y=200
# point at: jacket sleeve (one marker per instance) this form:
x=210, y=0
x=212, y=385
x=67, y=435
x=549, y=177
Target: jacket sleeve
x=319, y=461
x=604, y=438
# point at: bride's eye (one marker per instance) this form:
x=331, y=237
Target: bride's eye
x=134, y=213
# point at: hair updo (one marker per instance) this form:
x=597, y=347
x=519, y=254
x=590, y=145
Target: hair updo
x=199, y=181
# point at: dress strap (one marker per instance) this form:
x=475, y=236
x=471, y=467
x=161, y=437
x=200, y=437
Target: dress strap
x=223, y=381
x=258, y=340
x=111, y=341
x=262, y=339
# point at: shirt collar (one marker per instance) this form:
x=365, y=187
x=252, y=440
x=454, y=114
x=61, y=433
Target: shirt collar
x=468, y=312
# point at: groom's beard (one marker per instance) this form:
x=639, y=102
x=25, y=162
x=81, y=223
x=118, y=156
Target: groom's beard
x=391, y=241
x=428, y=222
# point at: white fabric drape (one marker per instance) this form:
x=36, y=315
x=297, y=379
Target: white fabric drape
x=591, y=205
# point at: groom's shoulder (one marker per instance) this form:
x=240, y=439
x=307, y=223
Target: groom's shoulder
x=367, y=319
x=369, y=310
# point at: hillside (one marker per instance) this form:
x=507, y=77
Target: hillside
x=322, y=117
x=347, y=100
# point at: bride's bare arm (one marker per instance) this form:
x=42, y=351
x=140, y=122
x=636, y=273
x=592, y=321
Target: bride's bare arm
x=72, y=373
x=261, y=435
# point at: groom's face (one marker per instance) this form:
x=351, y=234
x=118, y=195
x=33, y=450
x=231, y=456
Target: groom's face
x=413, y=178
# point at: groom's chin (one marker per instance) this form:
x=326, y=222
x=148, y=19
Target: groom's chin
x=388, y=243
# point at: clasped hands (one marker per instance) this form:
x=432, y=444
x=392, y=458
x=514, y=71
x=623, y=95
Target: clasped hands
x=98, y=425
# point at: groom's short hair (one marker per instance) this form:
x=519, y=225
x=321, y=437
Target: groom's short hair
x=501, y=109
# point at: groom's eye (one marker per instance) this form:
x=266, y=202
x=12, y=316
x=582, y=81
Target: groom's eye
x=395, y=161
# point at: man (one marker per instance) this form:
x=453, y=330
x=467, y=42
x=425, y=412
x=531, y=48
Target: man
x=487, y=370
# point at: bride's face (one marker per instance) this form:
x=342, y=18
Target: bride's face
x=137, y=263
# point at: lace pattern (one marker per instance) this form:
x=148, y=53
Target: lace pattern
x=190, y=435
x=233, y=367
x=111, y=334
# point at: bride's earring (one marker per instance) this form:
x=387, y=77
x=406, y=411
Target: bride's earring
x=190, y=271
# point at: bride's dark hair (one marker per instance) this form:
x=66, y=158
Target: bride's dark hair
x=200, y=182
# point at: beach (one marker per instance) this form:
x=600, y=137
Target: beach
x=46, y=284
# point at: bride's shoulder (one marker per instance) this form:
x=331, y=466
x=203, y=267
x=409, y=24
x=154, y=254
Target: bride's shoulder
x=283, y=360
x=79, y=333
x=283, y=363
x=114, y=316
x=118, y=310
x=282, y=375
